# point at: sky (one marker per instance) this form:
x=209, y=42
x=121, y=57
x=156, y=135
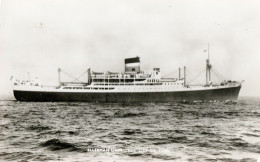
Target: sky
x=40, y=36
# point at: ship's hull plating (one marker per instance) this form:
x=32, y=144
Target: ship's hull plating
x=222, y=94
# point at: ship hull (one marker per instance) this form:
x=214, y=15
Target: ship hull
x=221, y=94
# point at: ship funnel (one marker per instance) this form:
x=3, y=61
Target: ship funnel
x=132, y=64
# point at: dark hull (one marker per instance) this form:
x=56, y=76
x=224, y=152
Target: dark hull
x=223, y=94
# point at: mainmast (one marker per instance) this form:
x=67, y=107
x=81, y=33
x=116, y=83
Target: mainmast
x=59, y=70
x=179, y=73
x=89, y=76
x=184, y=73
x=208, y=68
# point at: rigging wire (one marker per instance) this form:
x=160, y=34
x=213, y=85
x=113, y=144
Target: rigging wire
x=189, y=73
x=195, y=77
x=80, y=76
x=69, y=75
x=218, y=74
x=220, y=78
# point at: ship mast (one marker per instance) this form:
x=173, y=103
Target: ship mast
x=179, y=73
x=184, y=73
x=89, y=76
x=59, y=70
x=208, y=69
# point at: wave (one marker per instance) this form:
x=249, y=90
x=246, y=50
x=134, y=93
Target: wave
x=171, y=139
x=56, y=144
x=166, y=157
x=251, y=135
x=233, y=160
x=25, y=155
x=178, y=139
x=238, y=142
x=207, y=133
x=132, y=131
x=135, y=154
x=125, y=114
x=38, y=128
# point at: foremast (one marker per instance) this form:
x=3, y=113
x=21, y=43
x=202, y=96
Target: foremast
x=208, y=70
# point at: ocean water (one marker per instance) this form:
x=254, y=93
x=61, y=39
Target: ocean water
x=35, y=131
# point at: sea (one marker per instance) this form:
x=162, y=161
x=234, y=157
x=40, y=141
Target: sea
x=74, y=131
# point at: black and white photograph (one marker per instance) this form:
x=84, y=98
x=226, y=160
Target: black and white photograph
x=130, y=80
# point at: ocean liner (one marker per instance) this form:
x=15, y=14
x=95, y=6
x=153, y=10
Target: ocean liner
x=132, y=85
